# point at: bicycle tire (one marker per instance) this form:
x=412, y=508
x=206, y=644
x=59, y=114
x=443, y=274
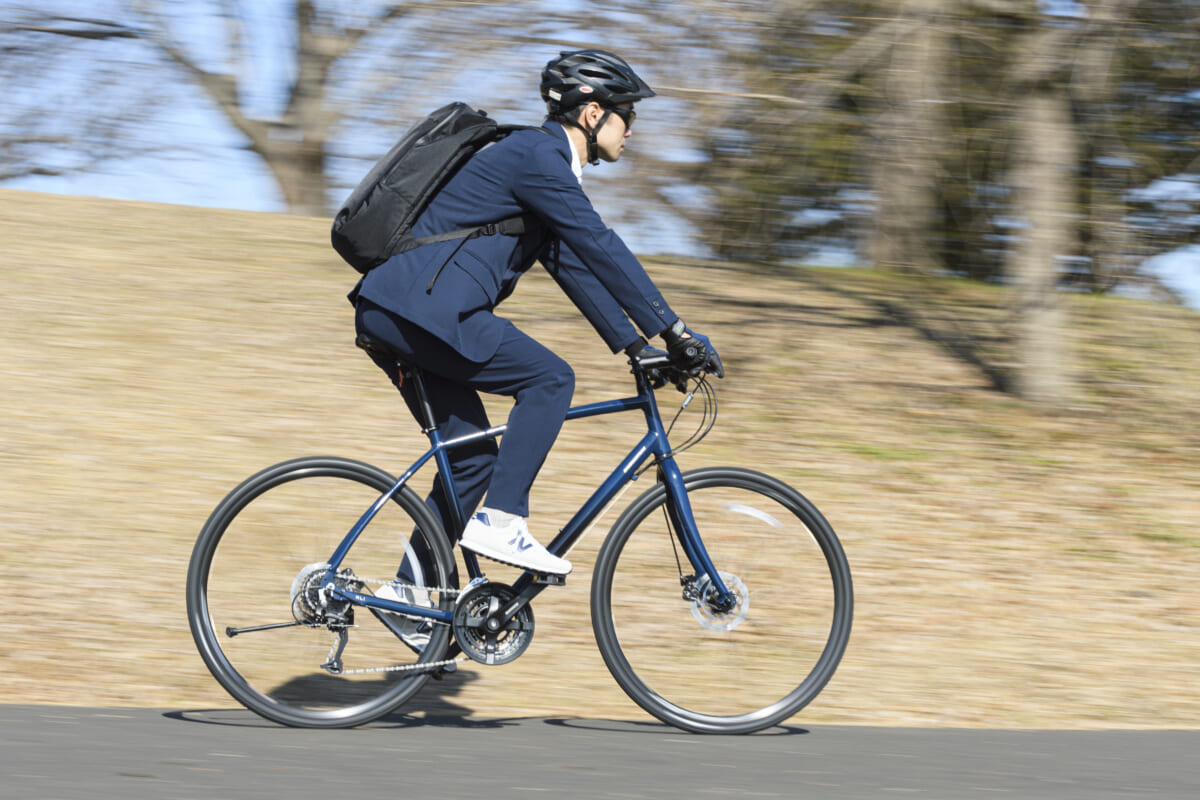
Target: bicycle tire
x=670, y=655
x=265, y=534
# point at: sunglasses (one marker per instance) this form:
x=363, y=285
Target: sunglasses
x=627, y=115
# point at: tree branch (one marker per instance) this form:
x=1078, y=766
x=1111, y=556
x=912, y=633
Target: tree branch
x=87, y=28
x=224, y=90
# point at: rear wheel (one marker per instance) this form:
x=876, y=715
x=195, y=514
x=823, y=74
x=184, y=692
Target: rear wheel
x=265, y=628
x=711, y=669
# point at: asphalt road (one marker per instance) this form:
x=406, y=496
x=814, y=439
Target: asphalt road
x=81, y=753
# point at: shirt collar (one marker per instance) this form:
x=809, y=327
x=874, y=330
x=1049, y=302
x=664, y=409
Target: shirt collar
x=576, y=166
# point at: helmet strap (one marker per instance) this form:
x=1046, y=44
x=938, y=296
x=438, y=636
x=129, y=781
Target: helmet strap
x=593, y=149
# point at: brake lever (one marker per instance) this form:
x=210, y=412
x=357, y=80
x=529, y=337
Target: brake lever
x=656, y=378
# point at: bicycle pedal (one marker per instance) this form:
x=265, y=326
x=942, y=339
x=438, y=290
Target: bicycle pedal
x=444, y=670
x=547, y=579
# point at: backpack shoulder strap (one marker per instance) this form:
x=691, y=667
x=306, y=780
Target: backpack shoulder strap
x=512, y=226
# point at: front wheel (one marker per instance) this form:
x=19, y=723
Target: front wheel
x=711, y=669
x=264, y=625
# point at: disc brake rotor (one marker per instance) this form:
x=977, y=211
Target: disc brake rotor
x=713, y=619
x=478, y=628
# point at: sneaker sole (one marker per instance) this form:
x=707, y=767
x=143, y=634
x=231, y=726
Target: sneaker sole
x=388, y=618
x=495, y=555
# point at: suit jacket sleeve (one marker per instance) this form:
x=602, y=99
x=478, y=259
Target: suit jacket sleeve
x=595, y=267
x=589, y=295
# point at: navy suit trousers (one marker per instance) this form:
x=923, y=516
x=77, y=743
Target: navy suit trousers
x=540, y=383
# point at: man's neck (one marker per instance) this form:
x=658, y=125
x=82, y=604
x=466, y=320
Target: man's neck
x=578, y=141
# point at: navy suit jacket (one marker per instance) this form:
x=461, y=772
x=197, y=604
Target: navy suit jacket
x=529, y=172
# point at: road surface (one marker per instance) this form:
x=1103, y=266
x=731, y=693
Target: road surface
x=50, y=752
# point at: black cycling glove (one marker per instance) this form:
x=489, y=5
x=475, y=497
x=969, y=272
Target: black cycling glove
x=635, y=349
x=686, y=352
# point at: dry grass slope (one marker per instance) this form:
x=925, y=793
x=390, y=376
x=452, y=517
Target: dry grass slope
x=1013, y=568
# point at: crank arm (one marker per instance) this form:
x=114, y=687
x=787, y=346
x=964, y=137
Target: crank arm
x=515, y=605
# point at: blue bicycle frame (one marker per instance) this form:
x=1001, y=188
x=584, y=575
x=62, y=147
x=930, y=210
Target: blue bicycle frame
x=653, y=444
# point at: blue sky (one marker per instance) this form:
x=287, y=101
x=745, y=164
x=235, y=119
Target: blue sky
x=1180, y=270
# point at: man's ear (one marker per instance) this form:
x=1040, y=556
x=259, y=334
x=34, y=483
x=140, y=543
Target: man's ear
x=590, y=115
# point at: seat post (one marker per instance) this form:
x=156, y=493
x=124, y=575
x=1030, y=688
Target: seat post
x=379, y=351
x=416, y=375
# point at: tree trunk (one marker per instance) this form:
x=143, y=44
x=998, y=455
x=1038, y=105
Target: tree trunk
x=299, y=169
x=1047, y=155
x=1108, y=238
x=908, y=134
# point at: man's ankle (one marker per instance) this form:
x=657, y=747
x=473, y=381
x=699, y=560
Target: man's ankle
x=498, y=518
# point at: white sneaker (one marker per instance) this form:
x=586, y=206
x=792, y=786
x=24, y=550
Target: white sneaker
x=414, y=631
x=505, y=537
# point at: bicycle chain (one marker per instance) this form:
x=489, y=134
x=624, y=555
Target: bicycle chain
x=441, y=590
x=430, y=666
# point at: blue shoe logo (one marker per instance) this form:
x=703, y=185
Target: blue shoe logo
x=519, y=543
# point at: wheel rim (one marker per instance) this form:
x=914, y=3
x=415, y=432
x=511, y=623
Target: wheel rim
x=708, y=671
x=238, y=581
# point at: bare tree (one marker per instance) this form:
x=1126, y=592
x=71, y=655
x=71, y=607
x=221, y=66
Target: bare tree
x=349, y=67
x=295, y=145
x=1046, y=166
x=338, y=62
x=784, y=143
x=33, y=141
x=910, y=133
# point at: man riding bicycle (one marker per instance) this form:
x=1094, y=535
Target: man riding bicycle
x=434, y=306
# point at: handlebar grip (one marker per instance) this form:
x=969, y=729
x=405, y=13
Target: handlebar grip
x=651, y=361
x=660, y=370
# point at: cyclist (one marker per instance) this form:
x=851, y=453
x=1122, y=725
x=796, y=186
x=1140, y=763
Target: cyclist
x=435, y=305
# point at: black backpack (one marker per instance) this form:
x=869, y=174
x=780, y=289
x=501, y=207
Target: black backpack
x=375, y=223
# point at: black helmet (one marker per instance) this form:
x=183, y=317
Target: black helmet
x=581, y=76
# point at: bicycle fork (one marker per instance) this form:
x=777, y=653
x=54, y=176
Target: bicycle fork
x=686, y=532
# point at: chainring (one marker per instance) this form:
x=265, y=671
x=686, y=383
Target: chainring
x=479, y=631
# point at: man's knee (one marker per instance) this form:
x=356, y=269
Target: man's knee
x=558, y=381
x=564, y=379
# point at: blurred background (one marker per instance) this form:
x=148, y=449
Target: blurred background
x=927, y=135
x=1004, y=384
x=1042, y=143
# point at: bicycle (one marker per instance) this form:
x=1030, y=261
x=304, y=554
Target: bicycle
x=276, y=578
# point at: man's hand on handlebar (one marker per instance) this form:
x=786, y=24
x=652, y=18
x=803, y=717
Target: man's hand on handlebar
x=690, y=351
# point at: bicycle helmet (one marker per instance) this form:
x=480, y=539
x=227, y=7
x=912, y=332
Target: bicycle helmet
x=579, y=77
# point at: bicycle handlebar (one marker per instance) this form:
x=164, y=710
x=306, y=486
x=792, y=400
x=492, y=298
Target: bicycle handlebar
x=658, y=369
